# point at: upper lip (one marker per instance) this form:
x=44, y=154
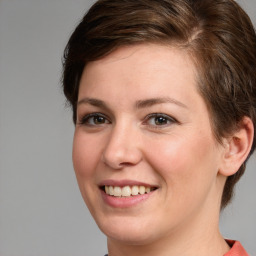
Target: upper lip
x=122, y=183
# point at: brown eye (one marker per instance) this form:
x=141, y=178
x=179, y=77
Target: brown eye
x=99, y=120
x=159, y=120
x=94, y=119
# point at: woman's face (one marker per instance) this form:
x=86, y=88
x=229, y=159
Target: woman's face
x=143, y=134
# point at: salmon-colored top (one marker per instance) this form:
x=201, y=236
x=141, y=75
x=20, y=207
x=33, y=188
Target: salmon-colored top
x=236, y=249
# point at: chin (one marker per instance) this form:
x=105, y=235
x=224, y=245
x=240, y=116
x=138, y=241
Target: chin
x=129, y=231
x=131, y=238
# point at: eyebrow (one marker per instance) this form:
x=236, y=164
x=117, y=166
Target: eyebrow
x=93, y=102
x=138, y=105
x=154, y=101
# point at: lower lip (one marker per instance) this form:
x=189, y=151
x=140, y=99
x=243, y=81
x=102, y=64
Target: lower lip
x=124, y=202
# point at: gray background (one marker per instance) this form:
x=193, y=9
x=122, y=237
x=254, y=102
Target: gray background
x=41, y=210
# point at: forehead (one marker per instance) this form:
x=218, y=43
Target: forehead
x=146, y=66
x=144, y=52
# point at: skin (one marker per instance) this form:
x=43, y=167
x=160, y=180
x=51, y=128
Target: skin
x=179, y=155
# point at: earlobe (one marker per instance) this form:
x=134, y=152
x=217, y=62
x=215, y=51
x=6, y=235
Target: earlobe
x=237, y=148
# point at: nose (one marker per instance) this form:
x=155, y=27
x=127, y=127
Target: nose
x=122, y=148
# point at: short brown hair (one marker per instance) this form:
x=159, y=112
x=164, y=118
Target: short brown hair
x=217, y=33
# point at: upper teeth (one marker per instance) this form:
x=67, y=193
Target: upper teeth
x=127, y=190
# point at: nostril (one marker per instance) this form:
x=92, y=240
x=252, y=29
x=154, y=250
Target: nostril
x=118, y=153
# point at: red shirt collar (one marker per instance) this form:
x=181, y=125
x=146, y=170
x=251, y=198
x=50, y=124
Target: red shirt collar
x=236, y=249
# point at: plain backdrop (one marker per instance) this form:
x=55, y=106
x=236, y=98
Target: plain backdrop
x=41, y=210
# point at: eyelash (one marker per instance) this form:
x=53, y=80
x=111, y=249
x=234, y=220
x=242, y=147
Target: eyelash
x=170, y=120
x=85, y=120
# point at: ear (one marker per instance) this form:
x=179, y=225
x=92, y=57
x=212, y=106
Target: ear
x=237, y=148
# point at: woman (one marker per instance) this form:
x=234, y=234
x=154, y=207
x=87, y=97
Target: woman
x=163, y=96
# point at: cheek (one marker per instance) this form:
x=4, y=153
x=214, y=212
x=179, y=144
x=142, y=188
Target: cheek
x=84, y=156
x=184, y=162
x=85, y=160
x=188, y=171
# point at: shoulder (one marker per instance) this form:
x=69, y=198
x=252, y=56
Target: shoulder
x=236, y=249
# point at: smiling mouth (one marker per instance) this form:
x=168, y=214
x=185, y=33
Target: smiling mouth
x=127, y=191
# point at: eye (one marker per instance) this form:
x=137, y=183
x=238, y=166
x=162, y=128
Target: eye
x=94, y=119
x=158, y=119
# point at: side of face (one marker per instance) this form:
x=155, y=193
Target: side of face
x=141, y=122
